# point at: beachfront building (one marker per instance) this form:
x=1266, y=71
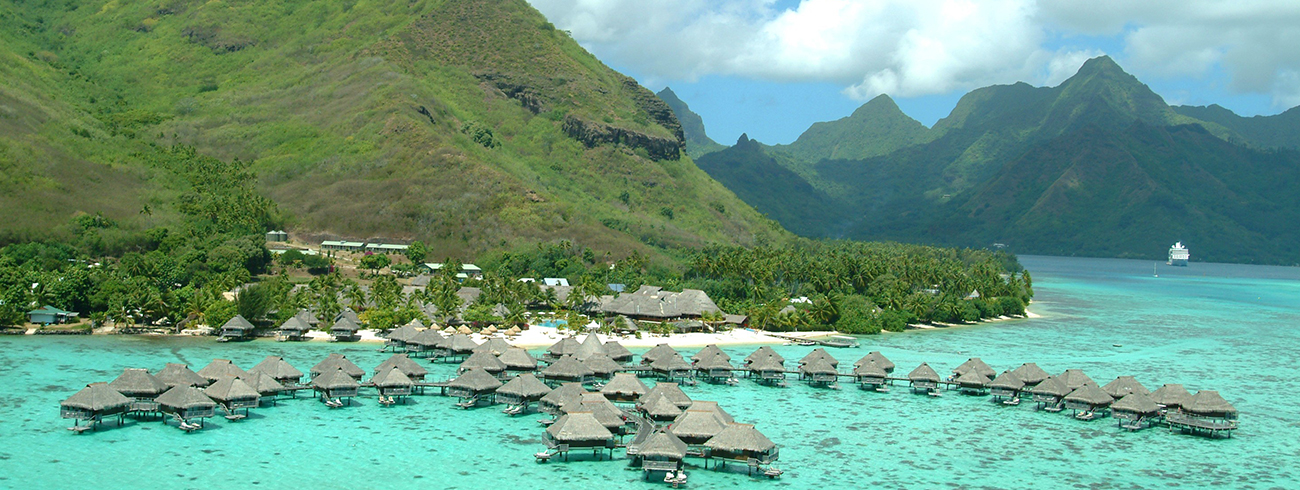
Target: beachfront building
x=709, y=351
x=398, y=338
x=652, y=303
x=236, y=328
x=567, y=346
x=91, y=404
x=424, y=342
x=49, y=315
x=518, y=393
x=658, y=352
x=344, y=329
x=292, y=329
x=456, y=347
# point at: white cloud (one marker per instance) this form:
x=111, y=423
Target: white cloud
x=920, y=47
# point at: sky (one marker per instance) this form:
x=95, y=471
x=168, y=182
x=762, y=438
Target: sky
x=771, y=68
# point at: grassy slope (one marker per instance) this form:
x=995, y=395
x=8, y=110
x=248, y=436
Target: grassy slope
x=353, y=113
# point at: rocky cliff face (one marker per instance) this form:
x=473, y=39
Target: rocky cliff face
x=594, y=133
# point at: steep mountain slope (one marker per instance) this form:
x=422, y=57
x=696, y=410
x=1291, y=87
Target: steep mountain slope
x=784, y=196
x=697, y=141
x=876, y=128
x=1279, y=131
x=469, y=124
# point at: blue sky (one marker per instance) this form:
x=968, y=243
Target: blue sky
x=772, y=68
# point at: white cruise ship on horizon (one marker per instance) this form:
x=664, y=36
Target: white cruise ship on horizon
x=1178, y=255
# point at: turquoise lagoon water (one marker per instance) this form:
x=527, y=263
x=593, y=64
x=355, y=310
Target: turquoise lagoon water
x=1231, y=328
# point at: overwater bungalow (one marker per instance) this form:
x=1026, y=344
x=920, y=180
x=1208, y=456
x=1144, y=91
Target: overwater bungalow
x=458, y=346
x=517, y=359
x=1006, y=388
x=742, y=443
x=1171, y=397
x=292, y=329
x=1124, y=385
x=1087, y=400
x=767, y=370
x=974, y=364
x=424, y=342
x=393, y=385
x=870, y=375
x=264, y=384
x=670, y=390
x=551, y=402
x=820, y=353
x=578, y=430
x=617, y=352
x=236, y=329
x=1135, y=411
x=1050, y=394
x=565, y=347
x=694, y=427
x=624, y=388
x=186, y=403
x=602, y=366
x=141, y=387
x=924, y=379
x=658, y=352
x=176, y=374
x=875, y=357
x=344, y=330
x=336, y=361
x=91, y=404
x=973, y=382
x=398, y=338
x=713, y=407
x=1205, y=413
x=413, y=370
x=709, y=351
x=494, y=345
x=218, y=368
x=566, y=369
x=659, y=408
x=1030, y=374
x=715, y=368
x=521, y=391
x=1075, y=379
x=334, y=386
x=482, y=360
x=278, y=369
x=819, y=372
x=233, y=394
x=662, y=451
x=763, y=352
x=590, y=346
x=671, y=367
x=474, y=387
x=605, y=412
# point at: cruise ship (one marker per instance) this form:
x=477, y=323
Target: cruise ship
x=1178, y=255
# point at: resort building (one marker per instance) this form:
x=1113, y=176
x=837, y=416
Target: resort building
x=652, y=303
x=49, y=315
x=342, y=246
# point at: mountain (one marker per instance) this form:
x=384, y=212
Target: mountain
x=877, y=128
x=697, y=142
x=1097, y=166
x=785, y=196
x=469, y=124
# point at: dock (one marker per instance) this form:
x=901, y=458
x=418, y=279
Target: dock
x=834, y=341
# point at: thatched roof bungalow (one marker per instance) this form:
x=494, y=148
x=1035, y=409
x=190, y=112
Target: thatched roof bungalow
x=278, y=369
x=218, y=368
x=564, y=347
x=482, y=360
x=176, y=374
x=1030, y=374
x=740, y=442
x=617, y=352
x=602, y=366
x=566, y=369
x=977, y=365
x=551, y=402
x=335, y=384
x=662, y=451
x=923, y=379
x=1124, y=385
x=1050, y=393
x=973, y=382
x=344, y=329
x=187, y=402
x=819, y=371
x=875, y=357
x=522, y=390
x=659, y=352
x=1171, y=396
x=578, y=429
x=138, y=384
x=336, y=361
x=473, y=384
x=1075, y=379
x=413, y=370
x=670, y=390
x=233, y=393
x=696, y=426
x=517, y=359
x=624, y=387
x=659, y=408
x=1088, y=398
x=392, y=382
x=1006, y=385
x=93, y=402
x=763, y=352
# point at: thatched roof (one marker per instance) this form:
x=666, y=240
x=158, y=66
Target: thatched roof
x=564, y=392
x=427, y=338
x=174, y=374
x=409, y=367
x=1052, y=386
x=1007, y=381
x=664, y=446
x=461, y=343
x=138, y=383
x=238, y=322
x=307, y=317
x=1208, y=402
x=493, y=345
x=698, y=425
x=869, y=369
x=276, y=367
x=602, y=365
x=660, y=407
x=97, y=397
x=670, y=363
x=670, y=390
x=710, y=351
x=1090, y=394
x=295, y=324
x=579, y=427
x=714, y=361
x=567, y=367
x=625, y=384
x=230, y=388
x=404, y=333
x=482, y=360
x=875, y=357
x=220, y=367
x=336, y=361
x=1075, y=379
x=1135, y=403
x=654, y=302
x=767, y=364
x=263, y=383
x=185, y=397
x=393, y=377
x=820, y=353
x=518, y=359
x=590, y=346
x=616, y=351
x=818, y=365
x=476, y=380
x=976, y=364
x=609, y=415
x=973, y=377
x=565, y=347
x=1124, y=385
x=1030, y=373
x=525, y=386
x=923, y=373
x=344, y=326
x=415, y=323
x=1171, y=395
x=736, y=438
x=659, y=352
x=722, y=415
x=762, y=352
x=333, y=380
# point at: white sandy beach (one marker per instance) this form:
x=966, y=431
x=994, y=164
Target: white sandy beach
x=539, y=337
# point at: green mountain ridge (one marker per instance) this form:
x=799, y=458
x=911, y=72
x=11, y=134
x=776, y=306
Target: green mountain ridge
x=1097, y=166
x=697, y=141
x=470, y=125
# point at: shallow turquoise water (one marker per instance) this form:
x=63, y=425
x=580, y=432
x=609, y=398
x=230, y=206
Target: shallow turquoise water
x=1231, y=328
